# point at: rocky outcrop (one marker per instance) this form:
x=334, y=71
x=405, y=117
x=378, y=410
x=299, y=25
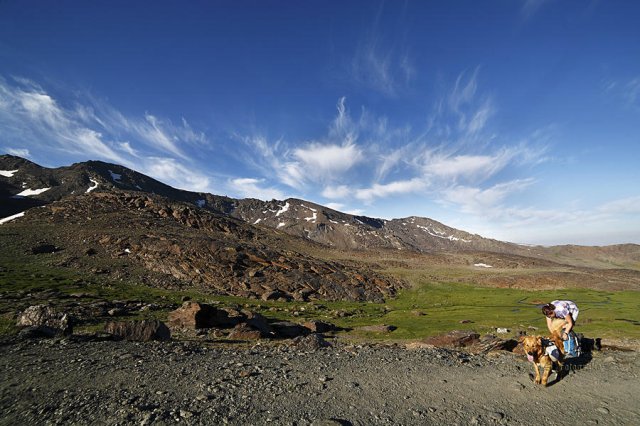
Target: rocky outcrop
x=320, y=326
x=47, y=318
x=180, y=246
x=244, y=331
x=139, y=331
x=193, y=315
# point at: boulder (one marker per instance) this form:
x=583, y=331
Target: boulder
x=310, y=343
x=274, y=295
x=257, y=322
x=46, y=316
x=193, y=315
x=139, y=331
x=319, y=326
x=233, y=317
x=302, y=295
x=244, y=332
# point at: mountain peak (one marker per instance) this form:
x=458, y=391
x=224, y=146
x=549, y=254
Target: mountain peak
x=293, y=216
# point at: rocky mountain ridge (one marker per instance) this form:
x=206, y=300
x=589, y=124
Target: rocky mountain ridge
x=24, y=184
x=170, y=244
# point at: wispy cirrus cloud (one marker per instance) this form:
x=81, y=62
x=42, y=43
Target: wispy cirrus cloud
x=20, y=152
x=335, y=206
x=629, y=205
x=456, y=166
x=380, y=63
x=254, y=188
x=179, y=174
x=378, y=190
x=325, y=161
x=476, y=200
x=382, y=69
x=366, y=159
x=27, y=111
x=468, y=112
x=337, y=192
x=85, y=129
x=298, y=164
x=626, y=91
x=272, y=160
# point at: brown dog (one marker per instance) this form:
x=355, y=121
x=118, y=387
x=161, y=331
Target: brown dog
x=536, y=353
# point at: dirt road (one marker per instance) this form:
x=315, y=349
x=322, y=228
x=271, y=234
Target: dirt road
x=58, y=381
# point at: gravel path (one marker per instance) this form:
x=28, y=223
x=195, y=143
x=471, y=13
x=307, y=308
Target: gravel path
x=61, y=381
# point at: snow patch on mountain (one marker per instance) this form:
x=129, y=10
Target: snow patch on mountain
x=10, y=218
x=95, y=185
x=283, y=209
x=29, y=192
x=8, y=173
x=440, y=234
x=314, y=217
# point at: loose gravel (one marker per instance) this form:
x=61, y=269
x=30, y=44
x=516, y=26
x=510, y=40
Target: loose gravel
x=66, y=381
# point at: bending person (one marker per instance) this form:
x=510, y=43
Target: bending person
x=561, y=316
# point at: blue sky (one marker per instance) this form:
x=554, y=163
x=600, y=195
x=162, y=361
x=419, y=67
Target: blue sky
x=515, y=119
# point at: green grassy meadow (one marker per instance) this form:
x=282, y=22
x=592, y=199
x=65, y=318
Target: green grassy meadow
x=430, y=309
x=427, y=308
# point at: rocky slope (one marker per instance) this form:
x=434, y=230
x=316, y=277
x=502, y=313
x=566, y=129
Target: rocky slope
x=24, y=184
x=167, y=237
x=164, y=243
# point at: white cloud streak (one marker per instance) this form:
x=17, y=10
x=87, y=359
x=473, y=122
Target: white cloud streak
x=20, y=152
x=630, y=205
x=337, y=192
x=398, y=163
x=94, y=130
x=254, y=188
x=178, y=174
x=309, y=163
x=390, y=189
x=335, y=206
x=484, y=201
x=385, y=67
x=30, y=111
x=327, y=160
